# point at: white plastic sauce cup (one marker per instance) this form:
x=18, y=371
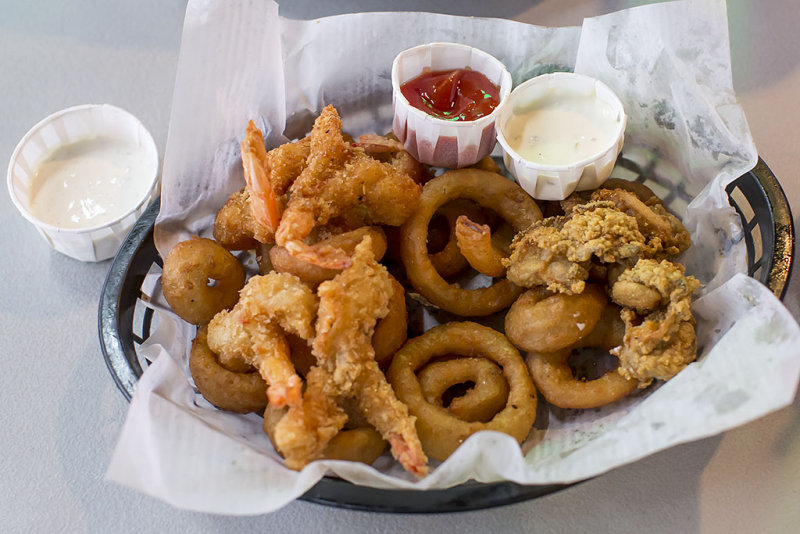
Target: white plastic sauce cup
x=70, y=126
x=557, y=182
x=434, y=141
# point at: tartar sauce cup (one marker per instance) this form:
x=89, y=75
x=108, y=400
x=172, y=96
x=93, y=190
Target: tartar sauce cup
x=578, y=160
x=49, y=144
x=435, y=141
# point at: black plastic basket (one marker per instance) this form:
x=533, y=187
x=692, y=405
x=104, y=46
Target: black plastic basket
x=757, y=197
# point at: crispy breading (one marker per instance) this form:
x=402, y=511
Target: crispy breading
x=654, y=220
x=286, y=162
x=233, y=225
x=350, y=306
x=557, y=251
x=660, y=344
x=303, y=433
x=341, y=180
x=651, y=284
x=253, y=331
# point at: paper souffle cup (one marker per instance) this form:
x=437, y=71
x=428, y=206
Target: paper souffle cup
x=433, y=141
x=63, y=128
x=557, y=182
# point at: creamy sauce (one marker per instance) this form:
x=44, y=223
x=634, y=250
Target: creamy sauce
x=89, y=183
x=561, y=128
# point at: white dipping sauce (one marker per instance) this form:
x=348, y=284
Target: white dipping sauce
x=89, y=183
x=562, y=127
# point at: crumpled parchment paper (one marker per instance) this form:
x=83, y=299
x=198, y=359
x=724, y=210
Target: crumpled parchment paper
x=670, y=65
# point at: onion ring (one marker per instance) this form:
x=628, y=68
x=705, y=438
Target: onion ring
x=539, y=321
x=487, y=397
x=644, y=193
x=557, y=383
x=313, y=275
x=300, y=354
x=189, y=267
x=439, y=431
x=487, y=163
x=236, y=390
x=361, y=444
x=487, y=189
x=391, y=331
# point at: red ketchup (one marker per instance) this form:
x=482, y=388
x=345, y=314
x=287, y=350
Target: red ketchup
x=454, y=95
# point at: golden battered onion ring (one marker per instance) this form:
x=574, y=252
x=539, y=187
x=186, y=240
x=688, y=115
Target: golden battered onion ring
x=554, y=379
x=485, y=398
x=608, y=332
x=392, y=330
x=487, y=163
x=233, y=225
x=363, y=444
x=557, y=383
x=189, y=268
x=313, y=275
x=227, y=389
x=644, y=193
x=475, y=243
x=439, y=431
x=544, y=322
x=487, y=189
x=300, y=354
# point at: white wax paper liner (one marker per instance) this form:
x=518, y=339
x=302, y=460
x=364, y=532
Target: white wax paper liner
x=239, y=60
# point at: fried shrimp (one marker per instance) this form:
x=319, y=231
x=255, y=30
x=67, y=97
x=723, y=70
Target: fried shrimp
x=253, y=331
x=304, y=432
x=283, y=262
x=480, y=250
x=340, y=178
x=390, y=150
x=233, y=225
x=350, y=306
x=449, y=260
x=265, y=207
x=268, y=176
x=357, y=444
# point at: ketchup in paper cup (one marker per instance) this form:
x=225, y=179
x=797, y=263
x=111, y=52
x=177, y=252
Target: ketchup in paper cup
x=446, y=97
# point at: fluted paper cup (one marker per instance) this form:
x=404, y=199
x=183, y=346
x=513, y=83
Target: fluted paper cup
x=433, y=141
x=65, y=127
x=557, y=182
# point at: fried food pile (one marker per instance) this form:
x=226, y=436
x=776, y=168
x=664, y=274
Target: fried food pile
x=622, y=239
x=317, y=341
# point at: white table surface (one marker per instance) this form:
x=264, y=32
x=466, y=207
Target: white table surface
x=61, y=413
